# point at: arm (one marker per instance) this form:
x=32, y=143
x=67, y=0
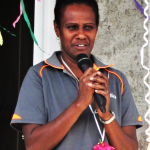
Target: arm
x=49, y=135
x=121, y=138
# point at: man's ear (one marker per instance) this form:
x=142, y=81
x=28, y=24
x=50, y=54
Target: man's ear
x=56, y=28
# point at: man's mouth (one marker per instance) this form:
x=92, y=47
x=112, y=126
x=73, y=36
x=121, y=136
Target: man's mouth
x=81, y=45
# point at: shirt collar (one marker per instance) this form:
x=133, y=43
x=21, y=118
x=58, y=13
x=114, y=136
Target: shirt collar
x=99, y=65
x=54, y=62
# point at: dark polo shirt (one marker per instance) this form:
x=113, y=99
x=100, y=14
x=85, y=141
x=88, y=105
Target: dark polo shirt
x=48, y=89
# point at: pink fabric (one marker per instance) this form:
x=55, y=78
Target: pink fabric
x=14, y=24
x=103, y=146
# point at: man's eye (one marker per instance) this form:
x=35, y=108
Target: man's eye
x=88, y=28
x=74, y=27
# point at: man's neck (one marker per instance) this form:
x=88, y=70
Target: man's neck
x=72, y=65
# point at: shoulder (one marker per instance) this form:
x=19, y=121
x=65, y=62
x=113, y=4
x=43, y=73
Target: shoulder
x=116, y=72
x=116, y=77
x=37, y=69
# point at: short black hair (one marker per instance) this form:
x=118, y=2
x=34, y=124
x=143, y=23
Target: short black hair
x=62, y=4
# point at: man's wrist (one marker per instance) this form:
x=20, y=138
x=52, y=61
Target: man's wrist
x=107, y=121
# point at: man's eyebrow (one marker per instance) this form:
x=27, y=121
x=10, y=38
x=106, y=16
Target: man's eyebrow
x=91, y=23
x=71, y=24
x=77, y=23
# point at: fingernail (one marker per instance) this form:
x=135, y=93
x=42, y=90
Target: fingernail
x=96, y=90
x=89, y=84
x=98, y=73
x=91, y=78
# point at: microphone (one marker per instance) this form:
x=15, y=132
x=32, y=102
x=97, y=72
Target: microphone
x=84, y=63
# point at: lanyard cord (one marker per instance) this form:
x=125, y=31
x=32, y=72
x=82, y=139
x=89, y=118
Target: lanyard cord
x=68, y=68
x=93, y=112
x=97, y=124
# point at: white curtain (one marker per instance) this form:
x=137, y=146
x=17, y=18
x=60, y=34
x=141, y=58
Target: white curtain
x=44, y=30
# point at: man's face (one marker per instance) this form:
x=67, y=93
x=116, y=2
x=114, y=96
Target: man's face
x=77, y=30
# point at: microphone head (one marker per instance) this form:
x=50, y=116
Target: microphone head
x=80, y=56
x=83, y=62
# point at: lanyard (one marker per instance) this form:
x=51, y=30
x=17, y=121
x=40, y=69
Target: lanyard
x=97, y=124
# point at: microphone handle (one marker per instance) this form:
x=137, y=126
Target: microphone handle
x=101, y=102
x=100, y=99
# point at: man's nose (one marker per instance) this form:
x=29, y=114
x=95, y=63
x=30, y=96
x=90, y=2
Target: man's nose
x=81, y=34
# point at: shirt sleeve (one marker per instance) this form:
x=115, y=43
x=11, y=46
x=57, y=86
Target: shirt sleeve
x=130, y=115
x=30, y=107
